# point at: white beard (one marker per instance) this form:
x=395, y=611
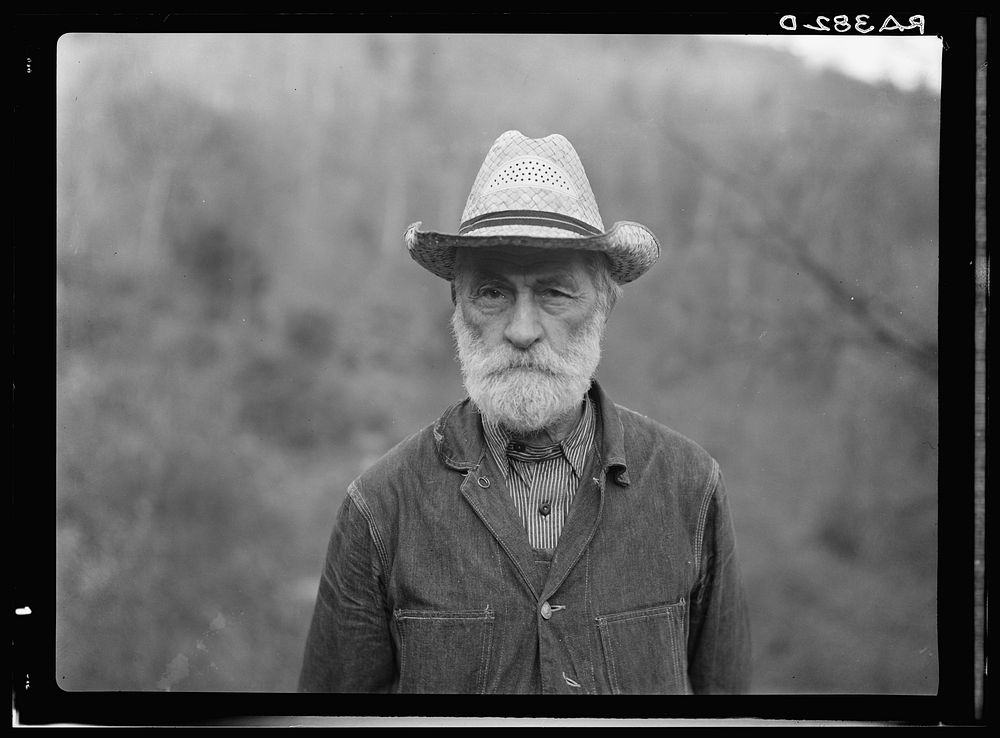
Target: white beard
x=526, y=390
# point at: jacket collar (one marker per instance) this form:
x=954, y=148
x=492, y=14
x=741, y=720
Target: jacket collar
x=459, y=441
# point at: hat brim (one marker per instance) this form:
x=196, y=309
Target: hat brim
x=631, y=248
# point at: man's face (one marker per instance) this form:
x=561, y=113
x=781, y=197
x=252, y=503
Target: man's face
x=528, y=324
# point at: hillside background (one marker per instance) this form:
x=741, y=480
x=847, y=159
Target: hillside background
x=240, y=331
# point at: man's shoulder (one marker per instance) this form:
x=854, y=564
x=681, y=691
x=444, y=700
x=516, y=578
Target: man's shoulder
x=420, y=453
x=648, y=438
x=413, y=451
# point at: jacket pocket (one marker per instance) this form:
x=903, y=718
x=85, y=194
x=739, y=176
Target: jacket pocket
x=645, y=651
x=444, y=651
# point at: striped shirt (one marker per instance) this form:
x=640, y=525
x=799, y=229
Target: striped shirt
x=543, y=480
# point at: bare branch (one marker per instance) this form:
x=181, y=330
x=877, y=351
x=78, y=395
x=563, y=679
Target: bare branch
x=863, y=307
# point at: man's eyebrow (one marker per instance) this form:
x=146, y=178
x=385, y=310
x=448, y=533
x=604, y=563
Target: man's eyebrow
x=558, y=279
x=486, y=275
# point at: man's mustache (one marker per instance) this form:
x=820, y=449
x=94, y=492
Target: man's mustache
x=535, y=363
x=540, y=369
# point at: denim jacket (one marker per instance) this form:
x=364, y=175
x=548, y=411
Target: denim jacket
x=430, y=583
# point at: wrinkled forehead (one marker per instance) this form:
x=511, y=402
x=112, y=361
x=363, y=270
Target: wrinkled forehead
x=521, y=261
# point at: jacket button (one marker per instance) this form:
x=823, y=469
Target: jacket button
x=546, y=610
x=545, y=508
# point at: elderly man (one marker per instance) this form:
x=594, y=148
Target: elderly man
x=537, y=538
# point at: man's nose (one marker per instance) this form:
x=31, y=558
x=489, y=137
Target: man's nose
x=524, y=327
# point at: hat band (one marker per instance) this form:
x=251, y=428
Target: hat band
x=528, y=217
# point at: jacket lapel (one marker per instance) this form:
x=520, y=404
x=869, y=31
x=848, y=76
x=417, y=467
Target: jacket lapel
x=588, y=504
x=486, y=492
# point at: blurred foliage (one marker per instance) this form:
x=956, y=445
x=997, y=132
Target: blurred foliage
x=240, y=331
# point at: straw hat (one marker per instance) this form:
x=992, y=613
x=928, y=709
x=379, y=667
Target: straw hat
x=534, y=192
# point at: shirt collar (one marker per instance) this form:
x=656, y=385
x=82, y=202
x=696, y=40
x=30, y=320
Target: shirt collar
x=575, y=446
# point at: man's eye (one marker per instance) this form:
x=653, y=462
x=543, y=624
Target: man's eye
x=490, y=294
x=552, y=292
